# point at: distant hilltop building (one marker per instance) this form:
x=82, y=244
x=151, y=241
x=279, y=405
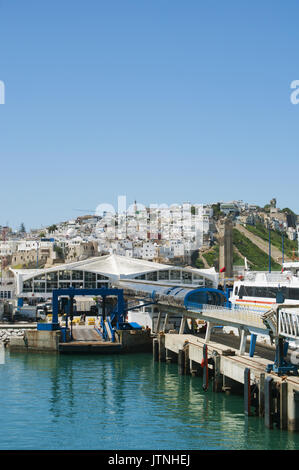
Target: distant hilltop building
x=273, y=202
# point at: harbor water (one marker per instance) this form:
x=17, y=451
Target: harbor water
x=120, y=402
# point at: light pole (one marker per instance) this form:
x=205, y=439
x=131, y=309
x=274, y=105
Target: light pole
x=36, y=255
x=269, y=248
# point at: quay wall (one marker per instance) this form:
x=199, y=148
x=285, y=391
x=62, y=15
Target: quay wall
x=135, y=340
x=35, y=340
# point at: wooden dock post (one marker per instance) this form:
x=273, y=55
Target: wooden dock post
x=247, y=392
x=187, y=361
x=205, y=366
x=243, y=342
x=181, y=362
x=195, y=368
x=218, y=378
x=162, y=350
x=261, y=386
x=170, y=356
x=283, y=405
x=293, y=409
x=155, y=349
x=269, y=403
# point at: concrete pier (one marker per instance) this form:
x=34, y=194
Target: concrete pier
x=83, y=340
x=274, y=398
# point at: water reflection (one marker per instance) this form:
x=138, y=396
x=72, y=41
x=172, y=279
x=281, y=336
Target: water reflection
x=121, y=402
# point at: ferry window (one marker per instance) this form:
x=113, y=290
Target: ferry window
x=272, y=292
x=261, y=292
x=249, y=291
x=293, y=294
x=236, y=290
x=285, y=291
x=241, y=292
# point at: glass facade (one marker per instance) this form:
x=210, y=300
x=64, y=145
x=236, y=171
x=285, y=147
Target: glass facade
x=163, y=275
x=186, y=277
x=46, y=283
x=176, y=275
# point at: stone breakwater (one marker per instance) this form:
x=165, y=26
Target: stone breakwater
x=7, y=333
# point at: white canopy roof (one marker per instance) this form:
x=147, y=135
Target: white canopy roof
x=114, y=267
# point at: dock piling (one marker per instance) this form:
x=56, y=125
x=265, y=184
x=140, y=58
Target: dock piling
x=269, y=403
x=181, y=362
x=205, y=366
x=162, y=350
x=247, y=392
x=156, y=349
x=218, y=379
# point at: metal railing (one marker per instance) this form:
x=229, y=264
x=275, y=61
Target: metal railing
x=288, y=324
x=283, y=320
x=241, y=316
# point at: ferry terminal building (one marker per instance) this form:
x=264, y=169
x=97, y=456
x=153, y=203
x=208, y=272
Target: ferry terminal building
x=36, y=285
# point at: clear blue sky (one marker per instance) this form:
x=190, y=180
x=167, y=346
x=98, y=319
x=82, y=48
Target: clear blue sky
x=164, y=101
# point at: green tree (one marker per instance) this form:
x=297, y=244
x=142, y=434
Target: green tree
x=216, y=210
x=52, y=228
x=288, y=211
x=59, y=251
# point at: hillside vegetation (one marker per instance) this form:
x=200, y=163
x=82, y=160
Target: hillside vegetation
x=258, y=259
x=276, y=238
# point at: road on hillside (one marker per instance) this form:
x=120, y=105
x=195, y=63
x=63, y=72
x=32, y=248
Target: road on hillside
x=276, y=254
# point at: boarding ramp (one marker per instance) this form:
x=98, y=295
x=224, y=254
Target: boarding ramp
x=283, y=321
x=85, y=334
x=239, y=318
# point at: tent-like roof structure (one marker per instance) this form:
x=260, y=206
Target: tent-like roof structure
x=114, y=268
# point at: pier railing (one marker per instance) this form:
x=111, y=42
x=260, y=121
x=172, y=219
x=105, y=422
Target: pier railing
x=238, y=317
x=283, y=320
x=288, y=324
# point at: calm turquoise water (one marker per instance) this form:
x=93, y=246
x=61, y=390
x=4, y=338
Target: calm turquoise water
x=51, y=402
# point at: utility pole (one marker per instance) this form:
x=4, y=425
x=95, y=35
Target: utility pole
x=269, y=249
x=37, y=255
